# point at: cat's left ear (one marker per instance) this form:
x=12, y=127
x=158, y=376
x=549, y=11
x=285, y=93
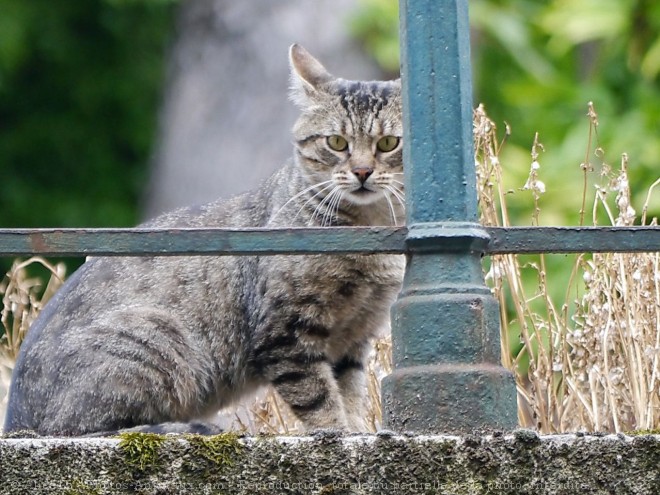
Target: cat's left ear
x=307, y=75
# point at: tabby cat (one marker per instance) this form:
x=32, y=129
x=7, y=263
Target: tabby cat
x=155, y=342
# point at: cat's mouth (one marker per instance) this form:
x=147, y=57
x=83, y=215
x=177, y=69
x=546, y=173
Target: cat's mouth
x=363, y=191
x=363, y=195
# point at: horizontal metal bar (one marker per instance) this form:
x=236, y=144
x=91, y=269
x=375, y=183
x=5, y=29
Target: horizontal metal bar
x=335, y=240
x=572, y=239
x=185, y=241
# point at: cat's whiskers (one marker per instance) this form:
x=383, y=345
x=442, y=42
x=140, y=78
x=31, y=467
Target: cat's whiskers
x=389, y=203
x=387, y=180
x=398, y=194
x=395, y=190
x=310, y=199
x=304, y=191
x=333, y=207
x=400, y=197
x=319, y=207
x=328, y=208
x=384, y=182
x=341, y=196
x=324, y=203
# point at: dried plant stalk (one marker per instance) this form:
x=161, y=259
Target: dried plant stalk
x=22, y=299
x=615, y=343
x=592, y=359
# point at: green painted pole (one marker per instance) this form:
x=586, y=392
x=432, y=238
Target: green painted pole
x=447, y=374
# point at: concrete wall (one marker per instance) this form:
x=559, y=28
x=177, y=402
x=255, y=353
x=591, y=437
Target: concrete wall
x=521, y=462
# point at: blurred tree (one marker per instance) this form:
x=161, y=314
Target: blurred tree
x=226, y=119
x=79, y=86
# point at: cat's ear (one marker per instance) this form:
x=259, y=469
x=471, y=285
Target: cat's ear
x=307, y=75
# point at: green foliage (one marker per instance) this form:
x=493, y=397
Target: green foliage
x=376, y=23
x=536, y=66
x=79, y=89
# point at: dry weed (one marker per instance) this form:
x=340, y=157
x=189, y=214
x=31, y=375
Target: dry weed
x=22, y=299
x=614, y=345
x=589, y=361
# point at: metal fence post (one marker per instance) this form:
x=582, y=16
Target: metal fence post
x=447, y=374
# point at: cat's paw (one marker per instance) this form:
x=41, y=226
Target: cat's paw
x=327, y=433
x=386, y=434
x=20, y=434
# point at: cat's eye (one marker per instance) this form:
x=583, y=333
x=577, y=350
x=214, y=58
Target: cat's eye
x=337, y=142
x=387, y=143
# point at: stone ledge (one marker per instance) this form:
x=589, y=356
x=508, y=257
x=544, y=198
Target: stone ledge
x=522, y=462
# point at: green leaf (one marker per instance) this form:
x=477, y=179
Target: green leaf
x=513, y=31
x=571, y=22
x=650, y=66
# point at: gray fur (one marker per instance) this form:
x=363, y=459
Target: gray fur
x=135, y=341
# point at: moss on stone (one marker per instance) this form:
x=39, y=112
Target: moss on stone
x=636, y=433
x=221, y=450
x=227, y=464
x=141, y=450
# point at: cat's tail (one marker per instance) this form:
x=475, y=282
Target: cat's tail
x=195, y=427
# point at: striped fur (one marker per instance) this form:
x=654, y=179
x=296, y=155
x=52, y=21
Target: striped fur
x=149, y=342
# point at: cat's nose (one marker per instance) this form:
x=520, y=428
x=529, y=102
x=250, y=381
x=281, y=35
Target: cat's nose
x=362, y=173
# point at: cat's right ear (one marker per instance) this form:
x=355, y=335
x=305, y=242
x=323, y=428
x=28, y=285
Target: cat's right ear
x=307, y=75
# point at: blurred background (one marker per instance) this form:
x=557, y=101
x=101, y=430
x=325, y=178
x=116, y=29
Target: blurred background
x=112, y=111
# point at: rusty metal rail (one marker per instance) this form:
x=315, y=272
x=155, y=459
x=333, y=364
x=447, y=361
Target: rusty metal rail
x=339, y=240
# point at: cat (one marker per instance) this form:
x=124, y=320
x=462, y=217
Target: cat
x=144, y=342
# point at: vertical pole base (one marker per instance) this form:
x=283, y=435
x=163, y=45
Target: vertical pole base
x=449, y=398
